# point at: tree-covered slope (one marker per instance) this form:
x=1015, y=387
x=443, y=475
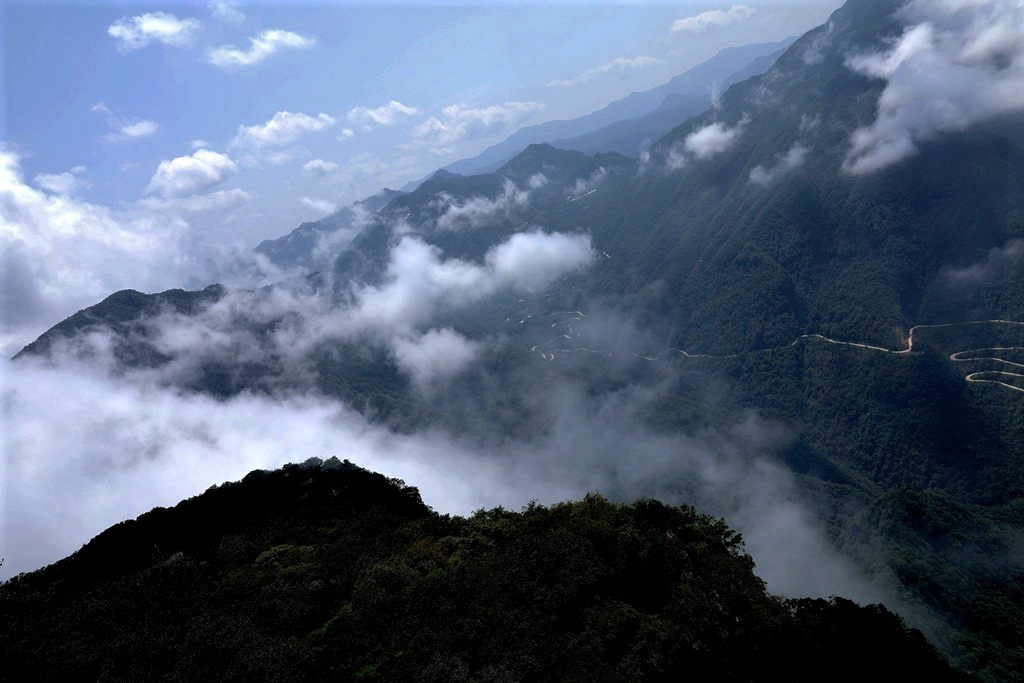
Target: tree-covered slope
x=325, y=571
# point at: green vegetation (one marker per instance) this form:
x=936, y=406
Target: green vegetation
x=324, y=571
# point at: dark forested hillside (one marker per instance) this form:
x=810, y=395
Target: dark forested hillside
x=324, y=571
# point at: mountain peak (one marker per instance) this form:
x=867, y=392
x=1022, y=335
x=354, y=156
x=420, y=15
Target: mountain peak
x=541, y=158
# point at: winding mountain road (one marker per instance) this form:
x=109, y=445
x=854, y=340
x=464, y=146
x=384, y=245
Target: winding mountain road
x=993, y=354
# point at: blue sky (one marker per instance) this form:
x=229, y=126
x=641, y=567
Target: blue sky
x=193, y=129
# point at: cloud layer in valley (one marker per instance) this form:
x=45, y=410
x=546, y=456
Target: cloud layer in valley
x=155, y=446
x=128, y=431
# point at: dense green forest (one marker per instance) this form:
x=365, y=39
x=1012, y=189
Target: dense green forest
x=325, y=571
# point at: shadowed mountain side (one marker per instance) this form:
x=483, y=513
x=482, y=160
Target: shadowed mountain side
x=116, y=313
x=313, y=245
x=326, y=571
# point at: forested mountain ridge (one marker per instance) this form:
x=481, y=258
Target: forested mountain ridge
x=326, y=571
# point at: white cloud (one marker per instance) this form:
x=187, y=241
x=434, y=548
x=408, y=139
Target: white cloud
x=460, y=123
x=419, y=284
x=346, y=133
x=59, y=254
x=283, y=129
x=715, y=17
x=192, y=174
x=617, y=64
x=69, y=182
x=139, y=129
x=997, y=263
x=417, y=288
x=221, y=199
x=198, y=143
x=319, y=167
x=958, y=63
x=132, y=33
x=260, y=47
x=319, y=205
x=435, y=356
x=385, y=115
x=816, y=51
x=585, y=185
x=123, y=128
x=226, y=11
x=786, y=162
x=703, y=143
x=478, y=210
x=156, y=446
x=712, y=140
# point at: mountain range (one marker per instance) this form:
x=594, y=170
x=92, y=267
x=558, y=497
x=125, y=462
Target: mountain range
x=815, y=249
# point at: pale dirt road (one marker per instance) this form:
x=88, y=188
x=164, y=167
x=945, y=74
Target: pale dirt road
x=981, y=377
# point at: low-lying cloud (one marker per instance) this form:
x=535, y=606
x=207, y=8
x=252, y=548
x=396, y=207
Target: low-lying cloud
x=479, y=210
x=128, y=440
x=786, y=162
x=959, y=62
x=704, y=143
x=997, y=263
x=420, y=282
x=126, y=445
x=436, y=355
